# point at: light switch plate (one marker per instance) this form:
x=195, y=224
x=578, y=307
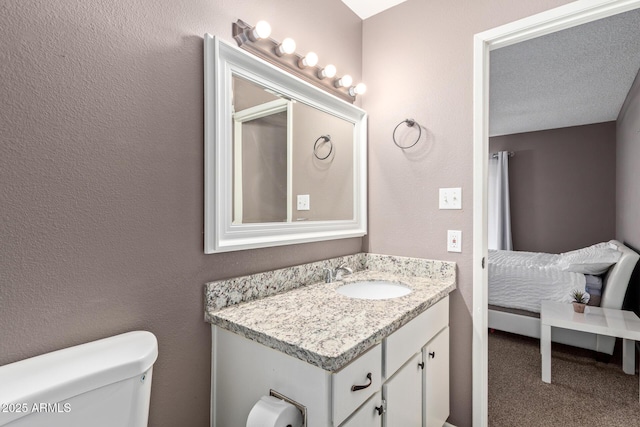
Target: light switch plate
x=450, y=198
x=303, y=202
x=454, y=241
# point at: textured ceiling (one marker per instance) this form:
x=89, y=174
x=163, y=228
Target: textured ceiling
x=573, y=77
x=367, y=8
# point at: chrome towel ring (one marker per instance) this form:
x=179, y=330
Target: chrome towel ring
x=325, y=139
x=410, y=123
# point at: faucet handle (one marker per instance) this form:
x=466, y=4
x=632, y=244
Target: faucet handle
x=341, y=270
x=344, y=267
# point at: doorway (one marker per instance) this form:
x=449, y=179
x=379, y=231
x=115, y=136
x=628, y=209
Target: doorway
x=551, y=21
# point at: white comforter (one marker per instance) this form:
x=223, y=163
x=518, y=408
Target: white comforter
x=523, y=279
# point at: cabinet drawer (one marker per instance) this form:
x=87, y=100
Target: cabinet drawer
x=409, y=339
x=368, y=415
x=348, y=384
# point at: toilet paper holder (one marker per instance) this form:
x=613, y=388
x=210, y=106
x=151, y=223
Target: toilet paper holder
x=301, y=407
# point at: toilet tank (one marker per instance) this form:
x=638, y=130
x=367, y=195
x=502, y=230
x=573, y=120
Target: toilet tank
x=104, y=383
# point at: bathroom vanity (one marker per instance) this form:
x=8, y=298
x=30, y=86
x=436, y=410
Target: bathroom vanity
x=348, y=361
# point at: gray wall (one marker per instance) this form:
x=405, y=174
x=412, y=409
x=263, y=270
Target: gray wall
x=101, y=172
x=418, y=63
x=562, y=185
x=628, y=168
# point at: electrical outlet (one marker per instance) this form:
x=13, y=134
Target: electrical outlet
x=303, y=202
x=450, y=198
x=454, y=241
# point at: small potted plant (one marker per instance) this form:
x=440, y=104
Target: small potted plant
x=580, y=299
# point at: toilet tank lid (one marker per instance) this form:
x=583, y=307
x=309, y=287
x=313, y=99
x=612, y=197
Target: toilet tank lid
x=62, y=374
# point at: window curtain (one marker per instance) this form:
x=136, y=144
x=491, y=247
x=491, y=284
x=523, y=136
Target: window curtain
x=499, y=211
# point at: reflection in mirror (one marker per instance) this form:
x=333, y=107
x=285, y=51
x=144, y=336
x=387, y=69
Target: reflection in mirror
x=261, y=174
x=328, y=182
x=260, y=155
x=274, y=159
x=272, y=141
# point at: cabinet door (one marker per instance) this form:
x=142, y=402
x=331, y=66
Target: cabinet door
x=436, y=380
x=368, y=415
x=403, y=395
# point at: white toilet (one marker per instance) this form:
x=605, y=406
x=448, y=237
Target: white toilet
x=104, y=383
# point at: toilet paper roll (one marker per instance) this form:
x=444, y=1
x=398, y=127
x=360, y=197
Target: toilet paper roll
x=270, y=411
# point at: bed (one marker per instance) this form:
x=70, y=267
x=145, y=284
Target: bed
x=519, y=281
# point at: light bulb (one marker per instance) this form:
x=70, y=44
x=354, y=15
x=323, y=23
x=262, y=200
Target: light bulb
x=329, y=71
x=344, y=81
x=262, y=30
x=287, y=46
x=310, y=60
x=358, y=89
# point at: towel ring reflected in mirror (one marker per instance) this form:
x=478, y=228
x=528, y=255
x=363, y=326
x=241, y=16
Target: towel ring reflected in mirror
x=410, y=123
x=325, y=139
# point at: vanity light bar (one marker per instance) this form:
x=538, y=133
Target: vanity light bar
x=256, y=40
x=358, y=89
x=309, y=60
x=287, y=47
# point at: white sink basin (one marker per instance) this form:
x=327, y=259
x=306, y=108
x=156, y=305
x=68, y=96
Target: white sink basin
x=374, y=289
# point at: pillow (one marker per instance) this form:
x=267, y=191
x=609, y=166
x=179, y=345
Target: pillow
x=593, y=282
x=594, y=259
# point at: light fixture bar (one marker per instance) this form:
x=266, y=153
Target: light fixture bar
x=265, y=48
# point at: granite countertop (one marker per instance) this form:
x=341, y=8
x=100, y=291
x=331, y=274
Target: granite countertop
x=318, y=325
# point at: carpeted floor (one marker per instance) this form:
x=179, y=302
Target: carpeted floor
x=583, y=392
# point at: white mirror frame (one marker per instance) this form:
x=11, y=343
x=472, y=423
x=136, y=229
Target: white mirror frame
x=221, y=62
x=550, y=21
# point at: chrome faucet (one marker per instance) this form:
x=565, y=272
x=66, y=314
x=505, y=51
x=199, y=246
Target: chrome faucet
x=341, y=270
x=331, y=275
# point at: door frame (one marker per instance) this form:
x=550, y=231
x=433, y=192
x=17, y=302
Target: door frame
x=558, y=19
x=252, y=113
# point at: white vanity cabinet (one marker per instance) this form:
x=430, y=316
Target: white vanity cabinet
x=402, y=381
x=418, y=394
x=403, y=395
x=416, y=356
x=436, y=379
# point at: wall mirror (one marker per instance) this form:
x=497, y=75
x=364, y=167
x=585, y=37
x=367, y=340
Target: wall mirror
x=285, y=162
